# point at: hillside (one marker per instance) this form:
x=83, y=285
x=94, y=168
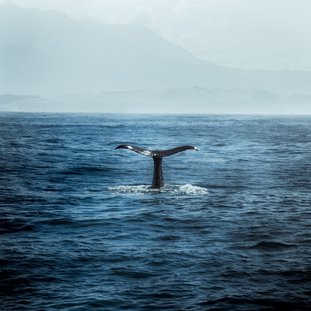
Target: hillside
x=48, y=53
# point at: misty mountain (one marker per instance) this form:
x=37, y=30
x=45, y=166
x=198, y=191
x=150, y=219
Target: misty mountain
x=47, y=52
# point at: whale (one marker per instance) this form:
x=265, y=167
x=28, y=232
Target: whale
x=157, y=156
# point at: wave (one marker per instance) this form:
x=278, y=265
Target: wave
x=13, y=226
x=186, y=189
x=246, y=303
x=271, y=245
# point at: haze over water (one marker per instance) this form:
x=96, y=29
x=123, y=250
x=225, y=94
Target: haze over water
x=81, y=230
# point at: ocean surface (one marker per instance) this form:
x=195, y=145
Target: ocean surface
x=81, y=230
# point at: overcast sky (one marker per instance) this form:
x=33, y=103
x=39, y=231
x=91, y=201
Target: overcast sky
x=251, y=34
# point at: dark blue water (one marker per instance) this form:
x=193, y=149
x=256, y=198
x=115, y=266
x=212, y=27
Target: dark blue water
x=80, y=230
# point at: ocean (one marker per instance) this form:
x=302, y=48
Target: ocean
x=80, y=229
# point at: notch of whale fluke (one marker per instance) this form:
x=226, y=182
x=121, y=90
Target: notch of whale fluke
x=157, y=155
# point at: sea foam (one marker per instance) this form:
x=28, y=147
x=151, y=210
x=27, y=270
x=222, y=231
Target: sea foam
x=186, y=189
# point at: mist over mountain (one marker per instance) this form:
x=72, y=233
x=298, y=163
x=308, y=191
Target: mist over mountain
x=49, y=54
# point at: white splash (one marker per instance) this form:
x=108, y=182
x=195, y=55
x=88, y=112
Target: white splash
x=190, y=189
x=187, y=189
x=131, y=189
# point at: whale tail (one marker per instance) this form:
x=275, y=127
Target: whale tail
x=157, y=155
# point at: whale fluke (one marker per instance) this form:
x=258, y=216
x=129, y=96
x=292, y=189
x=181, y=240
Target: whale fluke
x=157, y=155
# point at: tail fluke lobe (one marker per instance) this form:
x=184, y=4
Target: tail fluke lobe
x=169, y=152
x=136, y=149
